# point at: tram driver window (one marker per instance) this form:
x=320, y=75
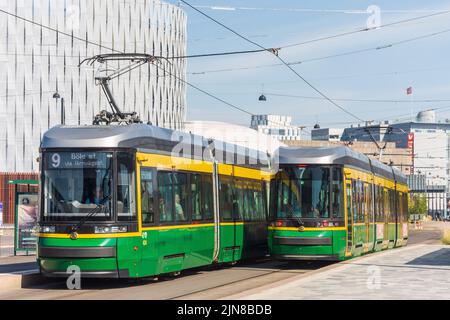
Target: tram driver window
x=126, y=197
x=147, y=200
x=337, y=194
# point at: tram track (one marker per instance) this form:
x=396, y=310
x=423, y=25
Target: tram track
x=195, y=284
x=253, y=282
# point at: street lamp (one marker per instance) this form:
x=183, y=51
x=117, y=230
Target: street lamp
x=57, y=97
x=262, y=97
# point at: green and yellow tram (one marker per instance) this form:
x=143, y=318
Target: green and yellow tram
x=137, y=200
x=334, y=204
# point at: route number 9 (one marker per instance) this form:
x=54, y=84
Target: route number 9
x=56, y=160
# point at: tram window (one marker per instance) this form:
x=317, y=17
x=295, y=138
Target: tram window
x=363, y=202
x=283, y=206
x=196, y=197
x=207, y=197
x=249, y=208
x=376, y=209
x=201, y=197
x=355, y=201
x=360, y=208
x=366, y=200
x=226, y=198
x=126, y=196
x=405, y=207
x=273, y=197
x=237, y=198
x=259, y=202
x=379, y=203
x=337, y=194
x=304, y=193
x=165, y=197
x=369, y=197
x=252, y=194
x=180, y=187
x=393, y=209
x=147, y=199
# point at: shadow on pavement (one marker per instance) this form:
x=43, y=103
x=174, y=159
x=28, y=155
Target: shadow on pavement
x=440, y=257
x=17, y=267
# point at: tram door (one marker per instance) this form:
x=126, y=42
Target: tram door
x=348, y=250
x=367, y=205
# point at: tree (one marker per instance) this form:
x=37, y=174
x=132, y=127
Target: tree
x=417, y=204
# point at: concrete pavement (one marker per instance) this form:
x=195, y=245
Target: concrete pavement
x=372, y=277
x=415, y=272
x=195, y=284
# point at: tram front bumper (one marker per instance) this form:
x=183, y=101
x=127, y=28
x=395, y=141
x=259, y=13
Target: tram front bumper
x=60, y=258
x=87, y=267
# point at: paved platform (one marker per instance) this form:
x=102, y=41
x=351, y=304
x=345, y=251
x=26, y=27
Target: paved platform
x=414, y=272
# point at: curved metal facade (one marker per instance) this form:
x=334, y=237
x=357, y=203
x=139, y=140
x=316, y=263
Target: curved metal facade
x=36, y=62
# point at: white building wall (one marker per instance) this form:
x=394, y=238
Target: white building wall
x=430, y=155
x=431, y=159
x=36, y=62
x=280, y=127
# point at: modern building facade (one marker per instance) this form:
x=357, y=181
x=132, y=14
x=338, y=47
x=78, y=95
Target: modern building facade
x=234, y=134
x=327, y=134
x=278, y=126
x=37, y=61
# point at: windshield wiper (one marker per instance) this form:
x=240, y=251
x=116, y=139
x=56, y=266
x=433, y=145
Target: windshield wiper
x=297, y=219
x=98, y=208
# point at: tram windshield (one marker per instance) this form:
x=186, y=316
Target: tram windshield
x=75, y=184
x=304, y=192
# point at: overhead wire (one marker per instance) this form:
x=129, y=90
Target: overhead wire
x=275, y=53
x=348, y=53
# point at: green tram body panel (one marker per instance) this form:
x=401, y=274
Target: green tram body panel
x=156, y=251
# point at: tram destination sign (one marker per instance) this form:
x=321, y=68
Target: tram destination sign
x=77, y=160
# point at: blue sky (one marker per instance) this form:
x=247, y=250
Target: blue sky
x=382, y=74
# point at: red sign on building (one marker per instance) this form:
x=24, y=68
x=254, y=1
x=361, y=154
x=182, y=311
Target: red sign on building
x=410, y=140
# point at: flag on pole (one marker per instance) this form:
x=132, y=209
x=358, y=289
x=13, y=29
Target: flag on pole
x=409, y=91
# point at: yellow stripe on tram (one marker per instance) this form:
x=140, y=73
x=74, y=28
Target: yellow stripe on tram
x=137, y=234
x=307, y=229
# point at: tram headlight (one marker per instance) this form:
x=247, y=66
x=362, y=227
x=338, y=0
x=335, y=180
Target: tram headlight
x=113, y=229
x=47, y=229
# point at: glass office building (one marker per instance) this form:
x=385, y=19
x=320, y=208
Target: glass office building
x=41, y=58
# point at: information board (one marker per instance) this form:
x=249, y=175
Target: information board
x=26, y=220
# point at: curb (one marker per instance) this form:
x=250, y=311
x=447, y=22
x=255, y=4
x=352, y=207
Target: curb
x=340, y=264
x=11, y=281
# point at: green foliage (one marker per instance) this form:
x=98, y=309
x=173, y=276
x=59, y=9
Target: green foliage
x=417, y=204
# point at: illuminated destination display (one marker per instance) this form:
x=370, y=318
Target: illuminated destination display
x=77, y=160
